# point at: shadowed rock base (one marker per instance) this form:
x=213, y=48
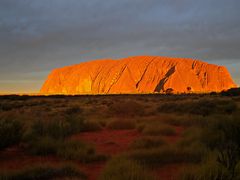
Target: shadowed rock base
x=139, y=74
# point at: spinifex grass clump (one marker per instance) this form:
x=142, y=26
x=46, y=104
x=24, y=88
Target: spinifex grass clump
x=121, y=124
x=66, y=149
x=155, y=127
x=10, y=131
x=120, y=168
x=148, y=142
x=126, y=108
x=223, y=136
x=207, y=170
x=168, y=154
x=41, y=171
x=76, y=150
x=202, y=106
x=159, y=129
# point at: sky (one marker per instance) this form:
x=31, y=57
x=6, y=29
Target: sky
x=37, y=36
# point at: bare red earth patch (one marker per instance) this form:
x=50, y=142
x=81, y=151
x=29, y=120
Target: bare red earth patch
x=109, y=141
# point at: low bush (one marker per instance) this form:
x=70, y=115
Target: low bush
x=76, y=150
x=168, y=154
x=57, y=127
x=159, y=129
x=121, y=168
x=191, y=136
x=73, y=110
x=204, y=106
x=66, y=149
x=91, y=126
x=121, y=124
x=223, y=136
x=206, y=170
x=127, y=108
x=173, y=120
x=39, y=172
x=148, y=142
x=44, y=146
x=10, y=131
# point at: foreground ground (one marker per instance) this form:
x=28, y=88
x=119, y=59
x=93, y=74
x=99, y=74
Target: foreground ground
x=99, y=137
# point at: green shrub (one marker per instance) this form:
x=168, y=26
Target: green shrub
x=121, y=168
x=121, y=124
x=10, y=131
x=39, y=172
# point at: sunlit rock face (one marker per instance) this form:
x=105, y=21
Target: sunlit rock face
x=140, y=74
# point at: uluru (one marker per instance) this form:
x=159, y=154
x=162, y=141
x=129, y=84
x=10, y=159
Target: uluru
x=138, y=74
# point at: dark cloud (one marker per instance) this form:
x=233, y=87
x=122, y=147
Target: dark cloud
x=37, y=36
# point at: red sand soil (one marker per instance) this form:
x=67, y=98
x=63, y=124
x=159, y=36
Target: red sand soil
x=169, y=171
x=110, y=142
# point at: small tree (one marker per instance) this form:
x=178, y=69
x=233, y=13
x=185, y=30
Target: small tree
x=189, y=89
x=169, y=91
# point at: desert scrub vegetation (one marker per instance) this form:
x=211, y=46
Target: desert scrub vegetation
x=73, y=110
x=65, y=149
x=223, y=136
x=76, y=150
x=168, y=154
x=126, y=108
x=208, y=169
x=121, y=124
x=155, y=127
x=10, y=131
x=43, y=171
x=120, y=168
x=147, y=142
x=43, y=146
x=59, y=127
x=202, y=106
x=185, y=120
x=190, y=136
x=46, y=126
x=159, y=129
